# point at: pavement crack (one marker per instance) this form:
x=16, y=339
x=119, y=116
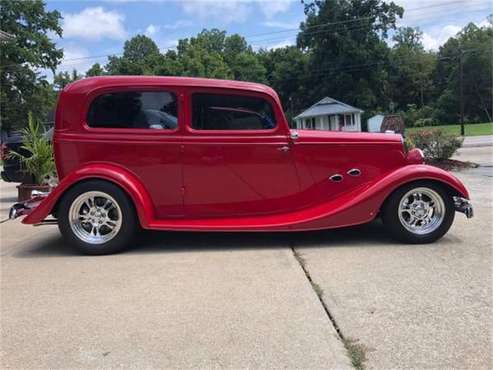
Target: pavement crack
x=355, y=350
x=318, y=291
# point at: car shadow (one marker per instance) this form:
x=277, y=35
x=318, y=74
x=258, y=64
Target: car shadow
x=368, y=235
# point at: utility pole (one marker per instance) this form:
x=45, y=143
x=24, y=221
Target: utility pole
x=461, y=88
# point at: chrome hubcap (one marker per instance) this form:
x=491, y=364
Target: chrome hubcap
x=95, y=217
x=421, y=211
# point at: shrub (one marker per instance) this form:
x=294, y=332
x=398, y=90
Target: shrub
x=418, y=117
x=40, y=163
x=435, y=144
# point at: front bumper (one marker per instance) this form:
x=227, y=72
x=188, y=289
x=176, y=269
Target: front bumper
x=464, y=205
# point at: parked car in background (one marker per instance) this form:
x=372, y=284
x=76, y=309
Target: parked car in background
x=174, y=153
x=12, y=170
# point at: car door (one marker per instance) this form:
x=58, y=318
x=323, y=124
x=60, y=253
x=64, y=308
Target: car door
x=237, y=156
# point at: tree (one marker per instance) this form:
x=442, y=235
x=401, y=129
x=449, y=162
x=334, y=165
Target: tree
x=287, y=69
x=24, y=89
x=95, y=70
x=410, y=70
x=203, y=55
x=348, y=52
x=140, y=57
x=473, y=46
x=62, y=79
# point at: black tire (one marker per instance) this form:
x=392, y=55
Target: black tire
x=390, y=214
x=128, y=218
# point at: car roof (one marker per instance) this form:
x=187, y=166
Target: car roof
x=91, y=83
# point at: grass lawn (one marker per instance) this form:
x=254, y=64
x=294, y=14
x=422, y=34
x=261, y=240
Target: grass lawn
x=471, y=129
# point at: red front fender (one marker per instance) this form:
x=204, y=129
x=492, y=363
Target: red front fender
x=362, y=205
x=105, y=171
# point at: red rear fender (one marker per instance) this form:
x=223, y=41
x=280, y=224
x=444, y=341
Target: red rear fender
x=104, y=171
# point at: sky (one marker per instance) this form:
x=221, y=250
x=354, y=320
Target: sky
x=94, y=29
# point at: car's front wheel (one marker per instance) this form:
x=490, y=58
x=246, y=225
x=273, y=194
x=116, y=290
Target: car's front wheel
x=421, y=212
x=97, y=217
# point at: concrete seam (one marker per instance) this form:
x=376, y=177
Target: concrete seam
x=315, y=288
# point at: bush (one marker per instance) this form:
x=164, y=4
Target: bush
x=40, y=163
x=435, y=144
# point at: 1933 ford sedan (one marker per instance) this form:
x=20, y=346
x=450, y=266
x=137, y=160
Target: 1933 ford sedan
x=169, y=153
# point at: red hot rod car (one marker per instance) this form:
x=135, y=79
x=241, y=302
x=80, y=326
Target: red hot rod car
x=169, y=153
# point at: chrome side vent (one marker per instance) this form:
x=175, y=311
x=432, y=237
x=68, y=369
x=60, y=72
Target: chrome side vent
x=354, y=172
x=336, y=178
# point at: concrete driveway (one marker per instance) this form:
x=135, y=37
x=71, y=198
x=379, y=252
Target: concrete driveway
x=184, y=300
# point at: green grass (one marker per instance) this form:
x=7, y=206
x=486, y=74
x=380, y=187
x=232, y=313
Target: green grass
x=471, y=129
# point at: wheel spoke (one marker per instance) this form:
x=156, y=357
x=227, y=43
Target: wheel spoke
x=108, y=205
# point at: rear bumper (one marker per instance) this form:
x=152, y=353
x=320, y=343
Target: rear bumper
x=464, y=205
x=25, y=208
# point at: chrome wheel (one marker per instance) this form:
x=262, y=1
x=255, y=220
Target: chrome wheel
x=421, y=210
x=95, y=217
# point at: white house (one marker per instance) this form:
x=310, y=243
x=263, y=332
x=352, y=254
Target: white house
x=375, y=123
x=330, y=114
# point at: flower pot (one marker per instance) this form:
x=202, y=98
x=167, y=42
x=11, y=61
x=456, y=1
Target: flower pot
x=24, y=191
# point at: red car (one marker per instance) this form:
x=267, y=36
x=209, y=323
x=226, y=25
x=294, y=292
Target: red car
x=173, y=153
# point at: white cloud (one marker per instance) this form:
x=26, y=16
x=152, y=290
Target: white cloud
x=152, y=29
x=433, y=39
x=229, y=11
x=177, y=24
x=425, y=11
x=282, y=25
x=271, y=8
x=281, y=44
x=76, y=57
x=94, y=24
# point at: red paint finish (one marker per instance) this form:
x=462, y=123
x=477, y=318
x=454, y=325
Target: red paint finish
x=263, y=180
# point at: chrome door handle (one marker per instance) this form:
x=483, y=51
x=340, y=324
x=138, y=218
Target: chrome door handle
x=284, y=148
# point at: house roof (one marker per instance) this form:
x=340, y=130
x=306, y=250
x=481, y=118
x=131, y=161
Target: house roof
x=328, y=106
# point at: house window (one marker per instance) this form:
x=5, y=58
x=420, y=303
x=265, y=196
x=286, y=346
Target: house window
x=349, y=118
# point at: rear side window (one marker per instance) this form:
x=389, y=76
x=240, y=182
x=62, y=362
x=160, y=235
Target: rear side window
x=231, y=112
x=134, y=109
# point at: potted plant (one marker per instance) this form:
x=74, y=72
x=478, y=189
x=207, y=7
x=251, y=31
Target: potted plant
x=40, y=165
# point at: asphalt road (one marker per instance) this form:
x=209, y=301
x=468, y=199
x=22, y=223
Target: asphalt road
x=184, y=300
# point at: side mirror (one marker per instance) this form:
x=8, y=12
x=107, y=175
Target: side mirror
x=294, y=135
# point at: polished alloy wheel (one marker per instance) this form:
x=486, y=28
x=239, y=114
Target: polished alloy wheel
x=421, y=210
x=95, y=217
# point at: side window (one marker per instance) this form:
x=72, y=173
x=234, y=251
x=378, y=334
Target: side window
x=231, y=112
x=134, y=109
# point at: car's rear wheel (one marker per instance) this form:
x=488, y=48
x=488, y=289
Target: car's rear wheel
x=97, y=217
x=419, y=213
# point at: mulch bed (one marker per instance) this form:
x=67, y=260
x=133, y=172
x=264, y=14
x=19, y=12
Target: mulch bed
x=452, y=164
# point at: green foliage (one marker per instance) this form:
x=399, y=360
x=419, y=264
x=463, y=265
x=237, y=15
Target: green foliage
x=23, y=89
x=95, y=70
x=435, y=144
x=473, y=45
x=40, y=164
x=410, y=70
x=348, y=52
x=62, y=79
x=140, y=56
x=418, y=117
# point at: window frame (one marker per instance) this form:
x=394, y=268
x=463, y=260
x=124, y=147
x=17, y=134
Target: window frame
x=228, y=92
x=93, y=95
